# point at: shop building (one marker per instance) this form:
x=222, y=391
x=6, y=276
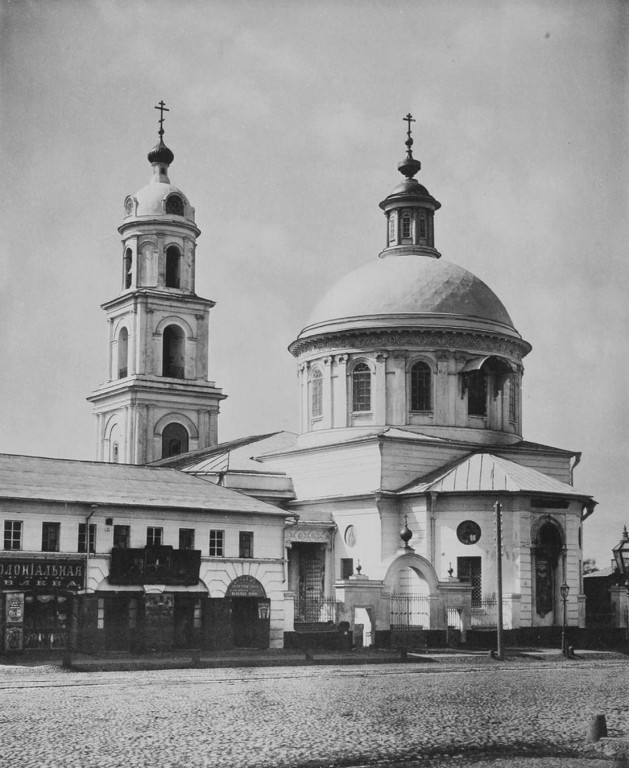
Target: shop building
x=100, y=556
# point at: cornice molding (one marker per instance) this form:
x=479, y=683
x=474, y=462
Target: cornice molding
x=403, y=339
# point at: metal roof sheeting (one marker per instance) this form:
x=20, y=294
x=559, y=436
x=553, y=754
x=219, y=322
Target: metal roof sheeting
x=91, y=482
x=483, y=472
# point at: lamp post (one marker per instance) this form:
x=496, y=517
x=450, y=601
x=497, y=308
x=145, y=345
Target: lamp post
x=564, y=589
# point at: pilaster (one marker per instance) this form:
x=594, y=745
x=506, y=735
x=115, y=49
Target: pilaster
x=380, y=393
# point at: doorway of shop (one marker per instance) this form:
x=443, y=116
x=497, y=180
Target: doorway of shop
x=245, y=621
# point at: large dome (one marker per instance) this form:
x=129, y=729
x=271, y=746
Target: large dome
x=409, y=290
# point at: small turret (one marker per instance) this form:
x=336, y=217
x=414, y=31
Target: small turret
x=410, y=209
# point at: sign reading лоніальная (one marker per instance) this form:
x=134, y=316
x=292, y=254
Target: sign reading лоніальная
x=24, y=572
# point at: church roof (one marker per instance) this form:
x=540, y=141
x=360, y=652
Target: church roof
x=91, y=482
x=484, y=472
x=233, y=455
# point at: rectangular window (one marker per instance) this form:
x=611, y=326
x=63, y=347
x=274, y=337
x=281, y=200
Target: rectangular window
x=154, y=537
x=245, y=544
x=361, y=388
x=50, y=534
x=13, y=534
x=422, y=228
x=122, y=536
x=316, y=394
x=469, y=569
x=347, y=567
x=81, y=547
x=217, y=543
x=477, y=394
x=512, y=401
x=186, y=538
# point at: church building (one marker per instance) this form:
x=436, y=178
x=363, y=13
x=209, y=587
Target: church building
x=410, y=435
x=379, y=517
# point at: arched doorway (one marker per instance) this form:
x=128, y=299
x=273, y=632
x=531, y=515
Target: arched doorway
x=548, y=566
x=410, y=600
x=250, y=613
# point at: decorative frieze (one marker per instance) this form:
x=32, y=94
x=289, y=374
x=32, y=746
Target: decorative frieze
x=309, y=535
x=431, y=340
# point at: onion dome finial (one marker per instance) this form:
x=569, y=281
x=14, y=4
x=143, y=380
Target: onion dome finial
x=409, y=166
x=160, y=152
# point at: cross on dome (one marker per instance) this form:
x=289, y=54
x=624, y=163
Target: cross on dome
x=160, y=155
x=163, y=108
x=409, y=142
x=409, y=166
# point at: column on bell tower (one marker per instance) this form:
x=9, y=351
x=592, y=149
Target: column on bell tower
x=157, y=401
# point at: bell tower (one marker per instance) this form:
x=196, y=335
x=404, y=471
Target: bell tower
x=157, y=400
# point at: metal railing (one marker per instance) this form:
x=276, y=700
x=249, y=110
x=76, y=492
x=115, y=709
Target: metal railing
x=316, y=610
x=409, y=611
x=485, y=614
x=453, y=617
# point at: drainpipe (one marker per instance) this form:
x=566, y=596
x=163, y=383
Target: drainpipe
x=93, y=507
x=431, y=528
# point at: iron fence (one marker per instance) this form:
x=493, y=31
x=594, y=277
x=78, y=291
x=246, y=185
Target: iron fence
x=454, y=619
x=485, y=614
x=409, y=611
x=316, y=610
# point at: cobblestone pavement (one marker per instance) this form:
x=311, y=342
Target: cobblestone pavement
x=394, y=715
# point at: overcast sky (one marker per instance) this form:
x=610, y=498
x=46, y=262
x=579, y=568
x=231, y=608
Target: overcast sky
x=286, y=124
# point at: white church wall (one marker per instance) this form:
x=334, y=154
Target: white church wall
x=404, y=461
x=339, y=470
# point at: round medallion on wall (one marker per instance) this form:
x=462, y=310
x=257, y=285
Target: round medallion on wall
x=350, y=536
x=468, y=532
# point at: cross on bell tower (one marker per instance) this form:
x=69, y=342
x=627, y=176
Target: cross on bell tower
x=157, y=400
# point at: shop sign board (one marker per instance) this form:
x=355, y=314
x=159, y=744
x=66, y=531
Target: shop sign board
x=30, y=572
x=245, y=586
x=155, y=565
x=14, y=608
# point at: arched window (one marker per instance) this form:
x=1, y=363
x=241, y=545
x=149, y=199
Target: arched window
x=361, y=388
x=174, y=440
x=128, y=268
x=174, y=205
x=422, y=227
x=173, y=267
x=316, y=394
x=421, y=387
x=406, y=226
x=123, y=353
x=174, y=353
x=477, y=394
